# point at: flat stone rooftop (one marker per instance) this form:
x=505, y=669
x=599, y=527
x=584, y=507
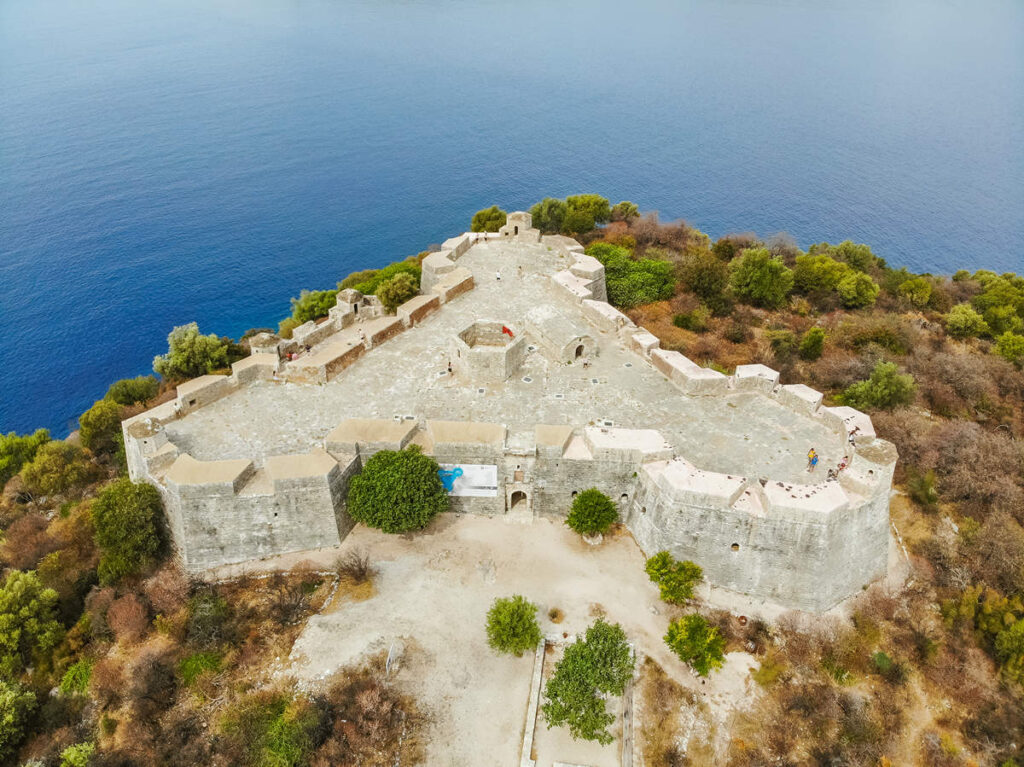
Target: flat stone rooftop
x=742, y=433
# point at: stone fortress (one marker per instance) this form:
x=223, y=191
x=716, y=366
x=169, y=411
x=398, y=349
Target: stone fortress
x=512, y=370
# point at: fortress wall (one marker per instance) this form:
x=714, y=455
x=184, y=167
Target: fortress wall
x=202, y=391
x=212, y=527
x=434, y=267
x=556, y=479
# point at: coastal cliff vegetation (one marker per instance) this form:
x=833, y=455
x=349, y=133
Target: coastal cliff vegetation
x=110, y=655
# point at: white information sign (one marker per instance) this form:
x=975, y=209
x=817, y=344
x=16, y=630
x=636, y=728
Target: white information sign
x=470, y=479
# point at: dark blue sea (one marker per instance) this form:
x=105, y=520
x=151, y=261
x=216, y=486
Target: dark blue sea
x=163, y=161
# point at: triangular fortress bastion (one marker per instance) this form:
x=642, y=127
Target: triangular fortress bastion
x=551, y=390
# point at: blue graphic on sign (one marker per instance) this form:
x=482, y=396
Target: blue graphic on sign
x=448, y=477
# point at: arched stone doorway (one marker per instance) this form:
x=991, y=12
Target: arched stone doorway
x=579, y=351
x=518, y=500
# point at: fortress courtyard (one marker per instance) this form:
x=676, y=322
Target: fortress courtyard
x=743, y=433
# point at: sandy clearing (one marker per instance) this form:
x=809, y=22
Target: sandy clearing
x=432, y=593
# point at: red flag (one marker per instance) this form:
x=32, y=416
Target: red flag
x=506, y=331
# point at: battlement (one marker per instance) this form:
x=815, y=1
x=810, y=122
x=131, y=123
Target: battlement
x=511, y=366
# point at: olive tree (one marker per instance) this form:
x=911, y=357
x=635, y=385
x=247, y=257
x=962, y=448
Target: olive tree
x=697, y=643
x=601, y=663
x=28, y=621
x=397, y=491
x=760, y=278
x=488, y=220
x=512, y=625
x=592, y=513
x=126, y=517
x=190, y=354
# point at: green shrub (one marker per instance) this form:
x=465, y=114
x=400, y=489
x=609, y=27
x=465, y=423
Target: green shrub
x=963, y=322
x=287, y=327
x=512, y=625
x=857, y=290
x=76, y=679
x=488, y=220
x=190, y=354
x=127, y=517
x=195, y=665
x=28, y=622
x=736, y=332
x=884, y=332
x=78, y=755
x=1010, y=650
x=624, y=211
x=313, y=304
x=818, y=273
x=922, y=490
x=917, y=290
x=812, y=344
x=17, y=450
x=885, y=389
x=1003, y=319
x=549, y=215
x=858, y=256
x=676, y=580
x=697, y=643
x=16, y=707
x=769, y=671
x=273, y=730
x=600, y=662
x=410, y=266
x=397, y=491
x=783, y=343
x=1010, y=347
x=760, y=279
x=355, y=278
x=592, y=513
x=584, y=211
x=633, y=282
x=132, y=391
x=697, y=320
x=58, y=467
x=100, y=426
x=397, y=290
x=706, y=276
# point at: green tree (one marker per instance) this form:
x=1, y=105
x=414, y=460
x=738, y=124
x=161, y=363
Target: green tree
x=549, y=215
x=17, y=450
x=58, y=467
x=697, y=643
x=600, y=662
x=857, y=290
x=858, y=256
x=190, y=354
x=625, y=211
x=512, y=625
x=488, y=220
x=633, y=282
x=132, y=391
x=100, y=426
x=706, y=276
x=917, y=290
x=592, y=512
x=313, y=304
x=676, y=580
x=76, y=679
x=397, y=491
x=592, y=206
x=28, y=621
x=884, y=390
x=1003, y=319
x=761, y=279
x=372, y=278
x=818, y=273
x=396, y=291
x=964, y=322
x=16, y=706
x=78, y=755
x=1010, y=347
x=126, y=518
x=812, y=344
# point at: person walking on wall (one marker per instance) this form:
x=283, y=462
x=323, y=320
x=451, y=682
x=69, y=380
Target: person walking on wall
x=497, y=276
x=812, y=459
